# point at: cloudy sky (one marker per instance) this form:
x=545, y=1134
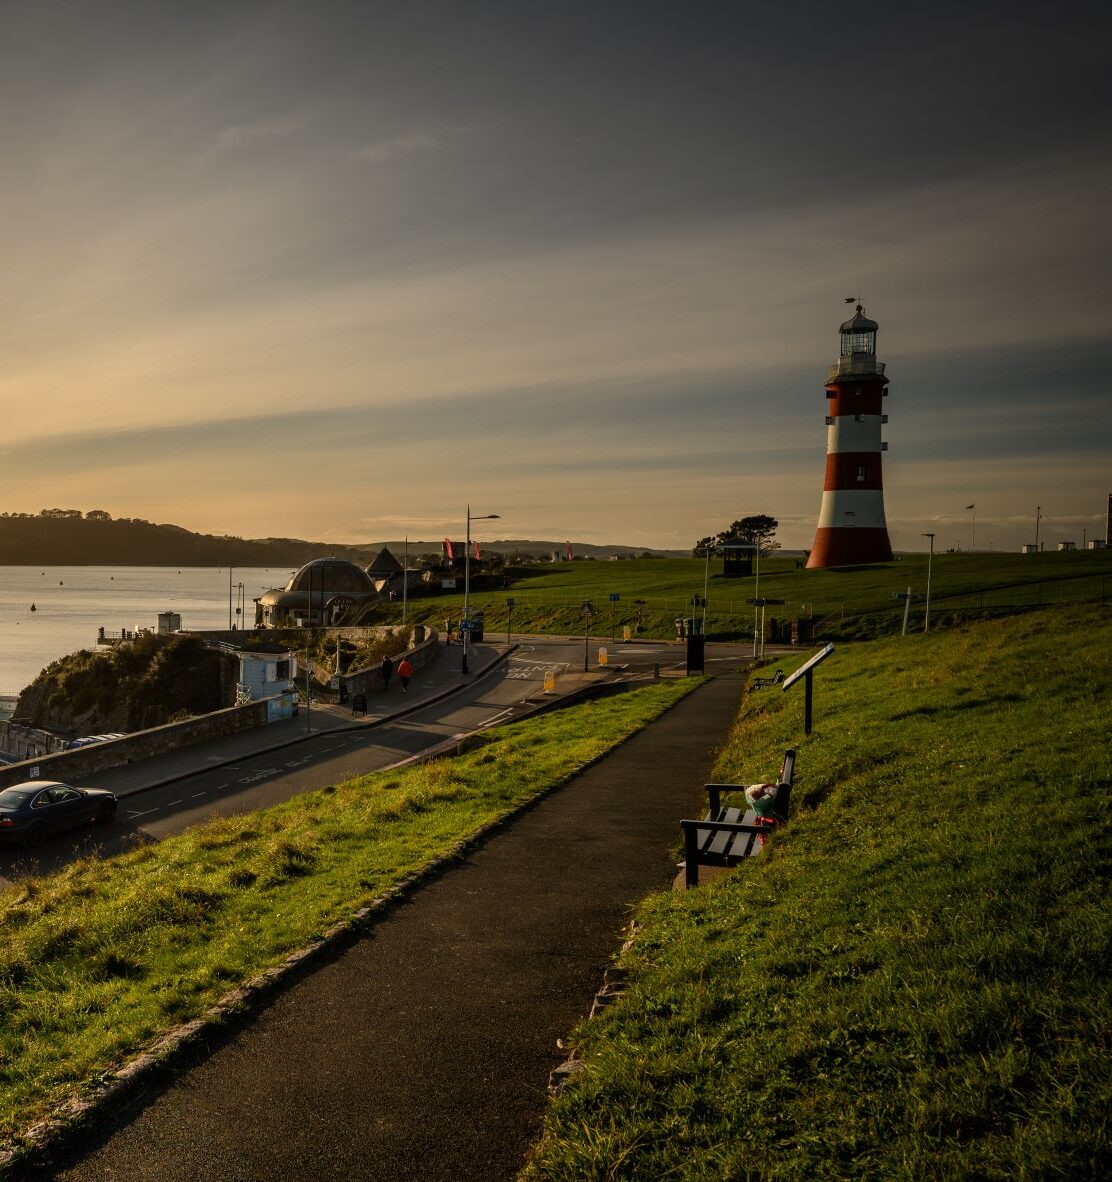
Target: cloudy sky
x=335, y=270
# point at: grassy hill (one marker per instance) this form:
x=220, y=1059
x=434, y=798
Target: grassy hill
x=853, y=601
x=912, y=981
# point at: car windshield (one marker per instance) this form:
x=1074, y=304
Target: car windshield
x=12, y=798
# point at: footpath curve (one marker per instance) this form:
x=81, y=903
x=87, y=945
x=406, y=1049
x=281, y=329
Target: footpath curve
x=422, y=1051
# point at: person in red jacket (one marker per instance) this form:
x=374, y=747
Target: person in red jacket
x=405, y=672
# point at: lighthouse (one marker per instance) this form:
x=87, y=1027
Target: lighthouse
x=852, y=529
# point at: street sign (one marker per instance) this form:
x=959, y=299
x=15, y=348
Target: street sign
x=588, y=609
x=465, y=625
x=614, y=597
x=509, y=603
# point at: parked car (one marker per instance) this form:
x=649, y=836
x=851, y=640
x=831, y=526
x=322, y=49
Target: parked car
x=31, y=811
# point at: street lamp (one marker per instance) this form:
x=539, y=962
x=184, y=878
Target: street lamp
x=930, y=561
x=467, y=581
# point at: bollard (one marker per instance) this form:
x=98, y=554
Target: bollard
x=656, y=671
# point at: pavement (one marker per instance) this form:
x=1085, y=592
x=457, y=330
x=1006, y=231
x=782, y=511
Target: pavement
x=422, y=1051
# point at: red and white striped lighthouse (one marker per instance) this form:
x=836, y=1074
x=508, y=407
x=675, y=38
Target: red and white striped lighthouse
x=852, y=529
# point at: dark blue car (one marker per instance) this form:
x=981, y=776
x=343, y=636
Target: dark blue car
x=31, y=811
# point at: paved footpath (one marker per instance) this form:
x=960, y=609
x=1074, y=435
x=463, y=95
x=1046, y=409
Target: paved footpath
x=423, y=1050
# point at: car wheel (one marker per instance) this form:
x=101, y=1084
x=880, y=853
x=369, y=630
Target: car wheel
x=36, y=835
x=106, y=813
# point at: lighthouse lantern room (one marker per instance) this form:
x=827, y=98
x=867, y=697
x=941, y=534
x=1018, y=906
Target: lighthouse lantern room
x=851, y=529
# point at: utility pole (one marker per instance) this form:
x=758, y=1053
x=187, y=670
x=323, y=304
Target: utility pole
x=1038, y=518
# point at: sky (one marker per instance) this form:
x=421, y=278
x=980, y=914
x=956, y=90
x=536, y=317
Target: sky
x=340, y=270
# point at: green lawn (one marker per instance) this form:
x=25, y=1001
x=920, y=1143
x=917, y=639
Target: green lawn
x=911, y=982
x=99, y=959
x=548, y=598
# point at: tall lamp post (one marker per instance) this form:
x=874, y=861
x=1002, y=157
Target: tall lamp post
x=972, y=528
x=757, y=650
x=930, y=562
x=467, y=581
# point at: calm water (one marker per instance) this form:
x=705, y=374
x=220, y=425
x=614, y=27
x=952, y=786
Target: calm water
x=72, y=602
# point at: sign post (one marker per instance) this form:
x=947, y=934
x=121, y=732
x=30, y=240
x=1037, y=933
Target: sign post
x=587, y=611
x=907, y=597
x=614, y=597
x=760, y=603
x=509, y=617
x=806, y=671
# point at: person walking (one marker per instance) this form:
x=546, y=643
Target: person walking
x=387, y=671
x=405, y=672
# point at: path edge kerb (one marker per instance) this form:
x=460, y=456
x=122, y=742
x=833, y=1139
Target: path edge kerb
x=112, y=1088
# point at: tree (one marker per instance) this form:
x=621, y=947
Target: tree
x=757, y=530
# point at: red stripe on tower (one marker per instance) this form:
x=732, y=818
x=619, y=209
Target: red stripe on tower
x=851, y=529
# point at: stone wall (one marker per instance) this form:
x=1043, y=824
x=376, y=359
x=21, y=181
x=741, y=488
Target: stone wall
x=70, y=766
x=369, y=681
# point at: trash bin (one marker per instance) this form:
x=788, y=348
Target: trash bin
x=695, y=654
x=476, y=627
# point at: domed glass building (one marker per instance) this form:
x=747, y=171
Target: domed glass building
x=323, y=592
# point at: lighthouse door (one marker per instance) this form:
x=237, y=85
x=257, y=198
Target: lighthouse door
x=851, y=519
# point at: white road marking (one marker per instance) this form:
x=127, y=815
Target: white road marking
x=133, y=814
x=259, y=775
x=196, y=794
x=170, y=803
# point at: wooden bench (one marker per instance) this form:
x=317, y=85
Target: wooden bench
x=726, y=836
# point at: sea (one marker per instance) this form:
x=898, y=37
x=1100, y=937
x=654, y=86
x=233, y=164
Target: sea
x=72, y=602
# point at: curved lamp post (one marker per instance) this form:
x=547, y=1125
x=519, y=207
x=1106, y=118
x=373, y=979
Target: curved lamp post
x=467, y=581
x=930, y=561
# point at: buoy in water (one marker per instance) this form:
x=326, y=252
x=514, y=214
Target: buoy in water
x=33, y=608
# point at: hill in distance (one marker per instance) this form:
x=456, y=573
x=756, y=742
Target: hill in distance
x=68, y=537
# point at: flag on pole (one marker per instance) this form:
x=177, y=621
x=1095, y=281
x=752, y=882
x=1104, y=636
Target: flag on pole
x=448, y=550
x=851, y=299
x=971, y=506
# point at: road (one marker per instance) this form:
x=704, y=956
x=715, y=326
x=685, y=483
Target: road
x=259, y=781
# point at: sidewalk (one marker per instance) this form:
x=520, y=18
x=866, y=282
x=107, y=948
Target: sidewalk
x=423, y=1050
x=436, y=681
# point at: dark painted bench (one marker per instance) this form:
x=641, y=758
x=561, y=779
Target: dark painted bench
x=765, y=682
x=728, y=835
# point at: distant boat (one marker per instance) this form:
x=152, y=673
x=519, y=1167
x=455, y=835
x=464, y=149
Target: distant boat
x=61, y=583
x=33, y=608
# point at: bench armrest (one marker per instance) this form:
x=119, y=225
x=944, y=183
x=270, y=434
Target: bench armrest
x=714, y=795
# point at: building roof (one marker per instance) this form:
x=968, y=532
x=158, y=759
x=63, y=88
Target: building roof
x=859, y=323
x=384, y=564
x=330, y=576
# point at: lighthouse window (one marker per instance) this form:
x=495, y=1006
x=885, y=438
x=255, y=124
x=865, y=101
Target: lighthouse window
x=860, y=471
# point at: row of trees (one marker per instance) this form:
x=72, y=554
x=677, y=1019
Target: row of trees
x=758, y=530
x=73, y=515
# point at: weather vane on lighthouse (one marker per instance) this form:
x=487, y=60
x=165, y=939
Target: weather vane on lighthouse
x=851, y=528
